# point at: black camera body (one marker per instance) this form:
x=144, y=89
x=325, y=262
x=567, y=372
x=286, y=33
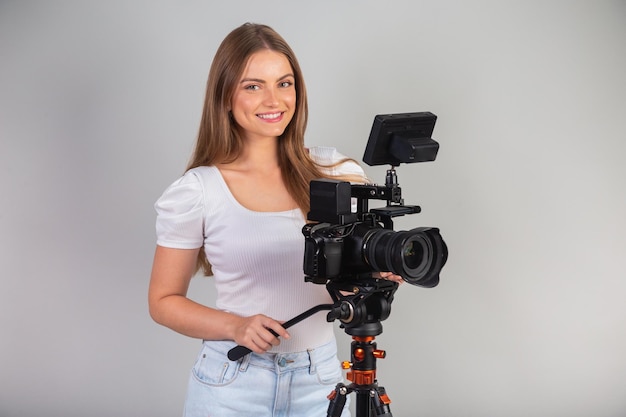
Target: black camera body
x=347, y=242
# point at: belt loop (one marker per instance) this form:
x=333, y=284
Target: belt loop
x=312, y=364
x=244, y=362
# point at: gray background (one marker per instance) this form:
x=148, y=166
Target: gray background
x=99, y=108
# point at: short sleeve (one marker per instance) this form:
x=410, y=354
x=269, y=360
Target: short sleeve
x=180, y=214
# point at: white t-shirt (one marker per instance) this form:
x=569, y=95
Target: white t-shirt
x=256, y=257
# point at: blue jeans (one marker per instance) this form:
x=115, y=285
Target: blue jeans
x=267, y=385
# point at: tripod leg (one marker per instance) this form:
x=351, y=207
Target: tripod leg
x=380, y=402
x=364, y=404
x=337, y=401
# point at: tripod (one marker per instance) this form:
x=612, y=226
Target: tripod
x=360, y=304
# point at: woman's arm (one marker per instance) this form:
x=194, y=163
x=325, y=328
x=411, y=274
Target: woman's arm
x=172, y=271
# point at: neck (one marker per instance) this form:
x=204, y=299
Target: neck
x=259, y=155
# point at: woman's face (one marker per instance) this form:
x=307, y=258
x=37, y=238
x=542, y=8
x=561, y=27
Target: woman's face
x=265, y=98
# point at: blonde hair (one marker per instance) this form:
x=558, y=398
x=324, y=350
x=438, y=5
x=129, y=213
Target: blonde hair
x=219, y=140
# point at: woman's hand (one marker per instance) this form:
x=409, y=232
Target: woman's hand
x=390, y=276
x=255, y=333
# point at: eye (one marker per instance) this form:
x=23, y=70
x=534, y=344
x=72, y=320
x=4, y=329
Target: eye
x=252, y=87
x=286, y=84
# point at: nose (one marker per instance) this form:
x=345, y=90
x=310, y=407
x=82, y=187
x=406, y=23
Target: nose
x=271, y=97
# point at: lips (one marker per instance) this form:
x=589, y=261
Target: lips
x=271, y=117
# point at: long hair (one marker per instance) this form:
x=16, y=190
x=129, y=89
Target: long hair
x=219, y=139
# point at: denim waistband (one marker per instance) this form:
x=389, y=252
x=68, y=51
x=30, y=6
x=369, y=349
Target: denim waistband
x=280, y=362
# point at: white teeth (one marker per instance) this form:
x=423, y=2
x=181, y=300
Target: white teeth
x=269, y=116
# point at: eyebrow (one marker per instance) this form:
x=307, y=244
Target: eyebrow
x=258, y=80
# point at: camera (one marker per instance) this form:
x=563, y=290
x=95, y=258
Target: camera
x=347, y=242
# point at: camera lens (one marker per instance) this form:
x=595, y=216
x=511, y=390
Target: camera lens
x=414, y=251
x=416, y=255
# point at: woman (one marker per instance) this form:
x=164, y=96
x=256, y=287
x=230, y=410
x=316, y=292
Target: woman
x=240, y=206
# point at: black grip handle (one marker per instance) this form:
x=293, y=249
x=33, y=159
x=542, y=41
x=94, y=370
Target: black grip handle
x=239, y=351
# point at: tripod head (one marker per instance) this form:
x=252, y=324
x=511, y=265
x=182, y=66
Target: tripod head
x=361, y=304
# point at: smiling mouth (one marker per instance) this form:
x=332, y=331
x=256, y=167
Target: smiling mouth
x=271, y=116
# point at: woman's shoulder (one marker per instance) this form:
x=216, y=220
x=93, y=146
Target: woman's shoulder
x=201, y=171
x=336, y=163
x=326, y=155
x=202, y=176
x=191, y=184
x=197, y=187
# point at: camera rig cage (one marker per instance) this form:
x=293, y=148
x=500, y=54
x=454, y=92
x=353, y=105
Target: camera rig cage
x=394, y=139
